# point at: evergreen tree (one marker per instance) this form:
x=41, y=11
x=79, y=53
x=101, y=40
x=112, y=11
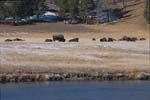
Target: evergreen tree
x=21, y=8
x=73, y=8
x=85, y=7
x=76, y=9
x=64, y=7
x=147, y=11
x=38, y=7
x=2, y=10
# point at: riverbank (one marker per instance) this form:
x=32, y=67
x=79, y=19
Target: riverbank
x=101, y=76
x=36, y=60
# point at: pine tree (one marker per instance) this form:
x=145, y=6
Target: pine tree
x=73, y=8
x=85, y=7
x=2, y=10
x=147, y=11
x=76, y=9
x=21, y=8
x=64, y=7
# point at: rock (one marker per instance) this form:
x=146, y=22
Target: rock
x=3, y=79
x=59, y=38
x=48, y=40
x=25, y=78
x=145, y=76
x=43, y=77
x=74, y=40
x=8, y=40
x=119, y=76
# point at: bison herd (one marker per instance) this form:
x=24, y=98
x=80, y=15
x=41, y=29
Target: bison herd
x=16, y=39
x=61, y=38
x=125, y=38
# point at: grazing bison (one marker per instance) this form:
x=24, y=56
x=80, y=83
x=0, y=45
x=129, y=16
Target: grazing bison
x=125, y=38
x=74, y=40
x=17, y=39
x=59, y=38
x=103, y=40
x=133, y=39
x=110, y=40
x=48, y=40
x=93, y=39
x=142, y=39
x=107, y=39
x=8, y=40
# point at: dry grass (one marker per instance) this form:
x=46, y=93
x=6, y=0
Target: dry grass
x=86, y=56
x=33, y=56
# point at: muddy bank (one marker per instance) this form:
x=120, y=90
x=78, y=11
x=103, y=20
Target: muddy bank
x=103, y=76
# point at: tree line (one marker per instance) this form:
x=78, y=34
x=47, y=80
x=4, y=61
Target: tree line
x=69, y=9
x=76, y=9
x=21, y=8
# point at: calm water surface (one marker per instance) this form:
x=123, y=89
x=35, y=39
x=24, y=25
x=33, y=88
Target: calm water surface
x=128, y=90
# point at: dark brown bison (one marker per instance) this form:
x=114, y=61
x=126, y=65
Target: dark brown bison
x=17, y=39
x=130, y=39
x=142, y=39
x=74, y=40
x=59, y=38
x=93, y=39
x=103, y=40
x=107, y=39
x=48, y=40
x=8, y=40
x=110, y=40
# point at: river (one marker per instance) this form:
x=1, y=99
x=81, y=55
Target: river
x=102, y=90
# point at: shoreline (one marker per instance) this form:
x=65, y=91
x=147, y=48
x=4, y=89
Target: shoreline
x=54, y=76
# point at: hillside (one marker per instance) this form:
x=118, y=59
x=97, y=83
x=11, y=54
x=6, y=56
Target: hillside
x=133, y=22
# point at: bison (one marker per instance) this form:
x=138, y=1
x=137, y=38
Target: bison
x=74, y=40
x=107, y=39
x=8, y=40
x=93, y=39
x=17, y=39
x=110, y=40
x=142, y=39
x=59, y=38
x=125, y=38
x=103, y=40
x=48, y=40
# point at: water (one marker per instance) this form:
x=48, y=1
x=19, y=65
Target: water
x=129, y=90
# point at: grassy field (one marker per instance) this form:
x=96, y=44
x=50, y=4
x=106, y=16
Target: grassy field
x=34, y=54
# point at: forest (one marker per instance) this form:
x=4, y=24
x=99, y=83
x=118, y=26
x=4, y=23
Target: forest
x=83, y=11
